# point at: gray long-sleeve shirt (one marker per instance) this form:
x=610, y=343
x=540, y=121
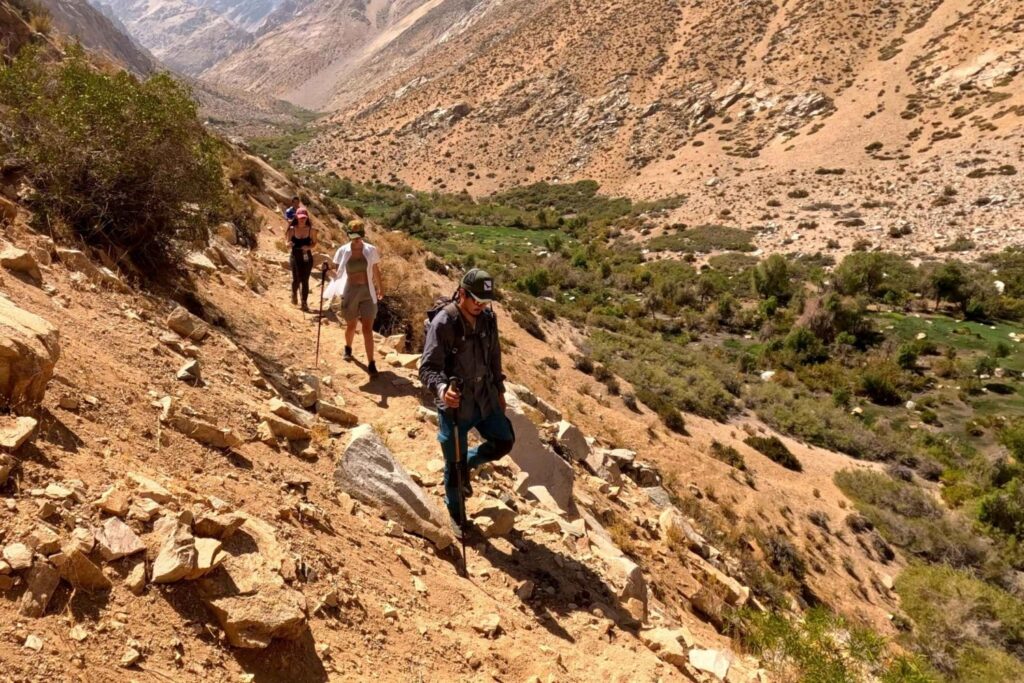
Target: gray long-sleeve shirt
x=454, y=349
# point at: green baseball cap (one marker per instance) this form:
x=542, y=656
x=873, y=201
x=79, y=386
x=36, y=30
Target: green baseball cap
x=479, y=284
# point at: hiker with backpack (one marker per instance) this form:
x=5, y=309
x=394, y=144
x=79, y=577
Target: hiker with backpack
x=461, y=366
x=301, y=237
x=359, y=282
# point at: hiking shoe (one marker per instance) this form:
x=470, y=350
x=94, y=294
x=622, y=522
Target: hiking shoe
x=348, y=353
x=305, y=307
x=372, y=368
x=457, y=530
x=295, y=299
x=467, y=490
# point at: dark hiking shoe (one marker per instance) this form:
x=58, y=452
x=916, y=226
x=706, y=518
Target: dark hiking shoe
x=348, y=353
x=305, y=307
x=295, y=299
x=467, y=490
x=372, y=369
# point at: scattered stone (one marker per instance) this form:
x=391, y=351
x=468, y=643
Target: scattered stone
x=293, y=414
x=336, y=414
x=424, y=414
x=18, y=556
x=130, y=658
x=525, y=590
x=493, y=518
x=29, y=349
x=287, y=430
x=69, y=402
x=81, y=572
x=489, y=626
x=113, y=501
x=218, y=525
x=20, y=261
x=7, y=464
x=209, y=556
x=55, y=491
x=78, y=633
x=186, y=324
x=42, y=581
x=369, y=473
x=136, y=579
x=201, y=262
x=176, y=559
x=81, y=539
x=149, y=488
x=252, y=621
x=671, y=645
x=205, y=432
x=98, y=275
x=116, y=540
x=190, y=372
x=571, y=441
x=390, y=612
x=714, y=662
x=33, y=642
x=44, y=540
x=144, y=509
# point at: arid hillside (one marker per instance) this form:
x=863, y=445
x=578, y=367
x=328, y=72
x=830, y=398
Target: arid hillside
x=807, y=121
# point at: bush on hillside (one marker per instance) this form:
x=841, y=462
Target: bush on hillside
x=123, y=164
x=772, y=448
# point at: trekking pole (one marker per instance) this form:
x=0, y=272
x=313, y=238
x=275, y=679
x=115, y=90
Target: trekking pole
x=456, y=384
x=320, y=313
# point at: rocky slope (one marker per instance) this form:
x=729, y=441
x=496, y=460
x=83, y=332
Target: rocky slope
x=185, y=494
x=99, y=33
x=186, y=35
x=310, y=49
x=806, y=121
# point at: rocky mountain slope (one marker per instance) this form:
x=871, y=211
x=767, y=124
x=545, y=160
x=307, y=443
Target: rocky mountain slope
x=185, y=35
x=99, y=33
x=172, y=508
x=808, y=122
x=311, y=49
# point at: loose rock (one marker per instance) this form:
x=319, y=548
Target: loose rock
x=29, y=349
x=116, y=540
x=186, y=324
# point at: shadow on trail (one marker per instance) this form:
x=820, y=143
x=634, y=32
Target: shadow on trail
x=386, y=385
x=562, y=585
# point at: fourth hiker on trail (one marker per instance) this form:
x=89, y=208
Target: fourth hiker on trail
x=461, y=365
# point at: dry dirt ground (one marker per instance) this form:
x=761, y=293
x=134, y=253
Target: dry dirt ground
x=113, y=364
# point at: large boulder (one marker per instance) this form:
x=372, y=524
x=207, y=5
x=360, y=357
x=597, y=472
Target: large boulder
x=29, y=349
x=177, y=557
x=542, y=470
x=368, y=472
x=42, y=581
x=493, y=518
x=623, y=573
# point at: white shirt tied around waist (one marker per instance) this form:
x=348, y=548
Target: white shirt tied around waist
x=341, y=257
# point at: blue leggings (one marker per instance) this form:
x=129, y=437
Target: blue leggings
x=495, y=430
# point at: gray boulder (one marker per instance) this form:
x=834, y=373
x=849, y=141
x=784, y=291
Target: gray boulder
x=368, y=472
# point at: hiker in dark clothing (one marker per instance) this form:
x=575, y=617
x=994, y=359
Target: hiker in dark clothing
x=301, y=237
x=462, y=343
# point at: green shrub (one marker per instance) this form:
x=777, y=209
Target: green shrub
x=822, y=647
x=123, y=164
x=1004, y=509
x=727, y=454
x=911, y=519
x=774, y=450
x=968, y=629
x=881, y=382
